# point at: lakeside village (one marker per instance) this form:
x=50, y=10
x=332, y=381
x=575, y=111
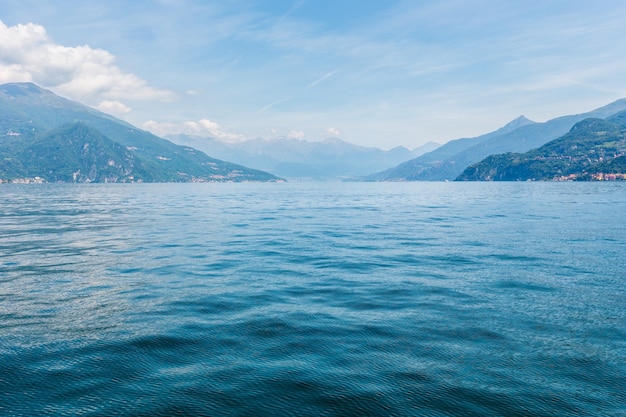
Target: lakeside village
x=36, y=180
x=230, y=177
x=600, y=176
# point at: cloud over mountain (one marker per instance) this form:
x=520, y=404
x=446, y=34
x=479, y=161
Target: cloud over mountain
x=383, y=73
x=202, y=127
x=79, y=72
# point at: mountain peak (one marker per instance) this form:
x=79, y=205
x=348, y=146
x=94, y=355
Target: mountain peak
x=333, y=140
x=20, y=89
x=519, y=122
x=510, y=126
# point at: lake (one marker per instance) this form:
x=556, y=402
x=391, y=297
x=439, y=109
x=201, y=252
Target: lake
x=309, y=299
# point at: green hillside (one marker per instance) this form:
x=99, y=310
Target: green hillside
x=594, y=149
x=40, y=135
x=520, y=135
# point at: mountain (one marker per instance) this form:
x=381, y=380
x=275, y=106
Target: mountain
x=332, y=158
x=47, y=136
x=593, y=149
x=72, y=153
x=520, y=135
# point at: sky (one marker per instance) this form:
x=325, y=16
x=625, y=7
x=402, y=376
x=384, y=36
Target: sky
x=373, y=73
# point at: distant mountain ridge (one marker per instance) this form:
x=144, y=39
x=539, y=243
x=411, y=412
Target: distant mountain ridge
x=594, y=149
x=520, y=135
x=46, y=136
x=290, y=158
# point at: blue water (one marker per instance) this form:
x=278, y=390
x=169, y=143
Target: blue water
x=321, y=299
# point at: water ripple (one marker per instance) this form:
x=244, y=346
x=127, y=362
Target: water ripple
x=312, y=299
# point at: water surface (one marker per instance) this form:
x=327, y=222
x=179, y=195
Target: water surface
x=435, y=299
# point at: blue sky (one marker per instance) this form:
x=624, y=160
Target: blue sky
x=374, y=73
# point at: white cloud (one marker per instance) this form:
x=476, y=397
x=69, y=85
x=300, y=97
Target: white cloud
x=295, y=134
x=160, y=129
x=331, y=131
x=203, y=127
x=81, y=73
x=115, y=108
x=13, y=73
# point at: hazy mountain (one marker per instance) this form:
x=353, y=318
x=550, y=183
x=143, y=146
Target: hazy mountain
x=42, y=134
x=593, y=149
x=293, y=158
x=520, y=135
x=425, y=148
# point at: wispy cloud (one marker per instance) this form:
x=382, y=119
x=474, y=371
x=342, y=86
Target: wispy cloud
x=293, y=8
x=322, y=79
x=273, y=104
x=440, y=69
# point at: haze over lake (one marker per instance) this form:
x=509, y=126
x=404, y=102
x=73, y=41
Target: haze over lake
x=313, y=299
